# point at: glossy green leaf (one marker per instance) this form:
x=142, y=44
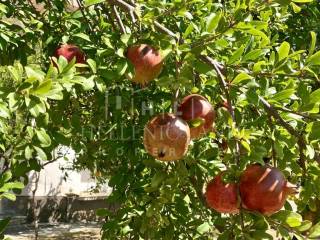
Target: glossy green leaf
x=43, y=137
x=240, y=78
x=314, y=59
x=313, y=43
x=213, y=21
x=236, y=55
x=283, y=50
x=314, y=232
x=203, y=228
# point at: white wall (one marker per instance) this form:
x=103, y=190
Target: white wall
x=54, y=181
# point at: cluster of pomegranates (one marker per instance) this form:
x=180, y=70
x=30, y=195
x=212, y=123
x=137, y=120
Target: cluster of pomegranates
x=146, y=60
x=167, y=136
x=262, y=189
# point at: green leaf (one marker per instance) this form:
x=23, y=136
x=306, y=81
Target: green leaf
x=83, y=36
x=157, y=179
x=93, y=65
x=295, y=7
x=16, y=73
x=6, y=176
x=3, y=224
x=254, y=54
x=88, y=3
x=314, y=59
x=236, y=55
x=305, y=226
x=196, y=122
x=87, y=83
x=4, y=111
x=43, y=88
x=261, y=34
x=11, y=185
x=315, y=231
x=241, y=77
x=315, y=96
x=283, y=95
x=246, y=145
x=313, y=43
x=291, y=218
x=34, y=75
x=314, y=130
x=9, y=196
x=203, y=228
x=283, y=51
x=41, y=154
x=261, y=235
x=122, y=66
x=28, y=152
x=213, y=21
x=43, y=137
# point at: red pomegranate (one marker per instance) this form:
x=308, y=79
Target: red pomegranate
x=221, y=196
x=147, y=63
x=196, y=107
x=70, y=51
x=166, y=137
x=264, y=189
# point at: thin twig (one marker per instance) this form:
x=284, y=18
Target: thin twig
x=118, y=19
x=274, y=154
x=305, y=115
x=131, y=9
x=199, y=193
x=165, y=30
x=84, y=15
x=300, y=140
x=217, y=67
x=125, y=6
x=270, y=74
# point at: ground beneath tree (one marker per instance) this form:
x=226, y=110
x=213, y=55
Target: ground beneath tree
x=79, y=231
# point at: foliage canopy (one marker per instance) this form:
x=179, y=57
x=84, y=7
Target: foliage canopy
x=263, y=57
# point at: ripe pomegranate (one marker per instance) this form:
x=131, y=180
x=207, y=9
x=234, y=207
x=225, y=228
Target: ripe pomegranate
x=264, y=189
x=221, y=196
x=147, y=63
x=70, y=51
x=166, y=137
x=195, y=107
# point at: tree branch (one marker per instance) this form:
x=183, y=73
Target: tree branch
x=300, y=140
x=165, y=30
x=124, y=5
x=131, y=9
x=224, y=86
